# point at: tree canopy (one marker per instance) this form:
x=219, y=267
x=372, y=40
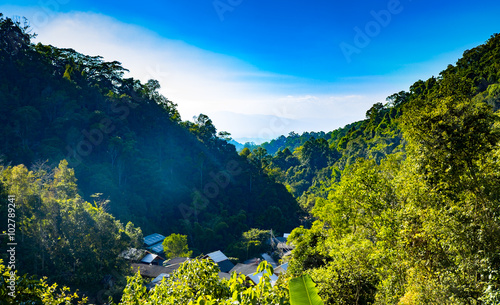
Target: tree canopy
x=175, y=245
x=399, y=208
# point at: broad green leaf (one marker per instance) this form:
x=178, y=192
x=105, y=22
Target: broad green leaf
x=303, y=291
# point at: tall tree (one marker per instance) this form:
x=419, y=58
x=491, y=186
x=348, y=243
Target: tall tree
x=175, y=245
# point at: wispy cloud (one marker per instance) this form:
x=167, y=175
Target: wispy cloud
x=201, y=81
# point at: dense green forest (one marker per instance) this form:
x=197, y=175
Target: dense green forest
x=410, y=211
x=405, y=203
x=400, y=208
x=304, y=163
x=127, y=142
x=309, y=163
x=128, y=153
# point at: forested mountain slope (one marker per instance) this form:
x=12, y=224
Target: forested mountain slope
x=418, y=225
x=58, y=235
x=127, y=142
x=309, y=163
x=404, y=206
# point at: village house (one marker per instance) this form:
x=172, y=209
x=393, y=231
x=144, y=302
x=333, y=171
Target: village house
x=221, y=260
x=154, y=242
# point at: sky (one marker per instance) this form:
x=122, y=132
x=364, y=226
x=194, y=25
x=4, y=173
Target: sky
x=260, y=69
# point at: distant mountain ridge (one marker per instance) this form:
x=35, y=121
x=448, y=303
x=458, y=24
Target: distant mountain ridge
x=304, y=162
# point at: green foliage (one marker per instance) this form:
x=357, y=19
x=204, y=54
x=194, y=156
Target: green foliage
x=292, y=141
x=346, y=250
x=404, y=204
x=62, y=236
x=29, y=290
x=197, y=282
x=418, y=227
x=303, y=291
x=450, y=131
x=307, y=172
x=252, y=243
x=124, y=140
x=309, y=252
x=175, y=245
x=452, y=230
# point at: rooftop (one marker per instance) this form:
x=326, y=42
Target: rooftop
x=224, y=275
x=217, y=256
x=176, y=261
x=269, y=259
x=153, y=239
x=149, y=258
x=225, y=265
x=158, y=248
x=280, y=239
x=256, y=278
x=281, y=269
x=151, y=271
x=245, y=269
x=160, y=277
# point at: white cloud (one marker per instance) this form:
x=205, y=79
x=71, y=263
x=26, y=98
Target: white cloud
x=239, y=97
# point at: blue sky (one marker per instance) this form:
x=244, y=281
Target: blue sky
x=264, y=68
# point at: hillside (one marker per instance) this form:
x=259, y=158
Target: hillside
x=408, y=211
x=305, y=163
x=400, y=208
x=127, y=142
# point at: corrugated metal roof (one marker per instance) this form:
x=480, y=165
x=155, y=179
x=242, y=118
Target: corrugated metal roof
x=159, y=278
x=256, y=278
x=281, y=269
x=158, y=248
x=224, y=275
x=225, y=265
x=245, y=269
x=149, y=258
x=280, y=240
x=269, y=259
x=153, y=239
x=176, y=260
x=217, y=256
x=150, y=271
